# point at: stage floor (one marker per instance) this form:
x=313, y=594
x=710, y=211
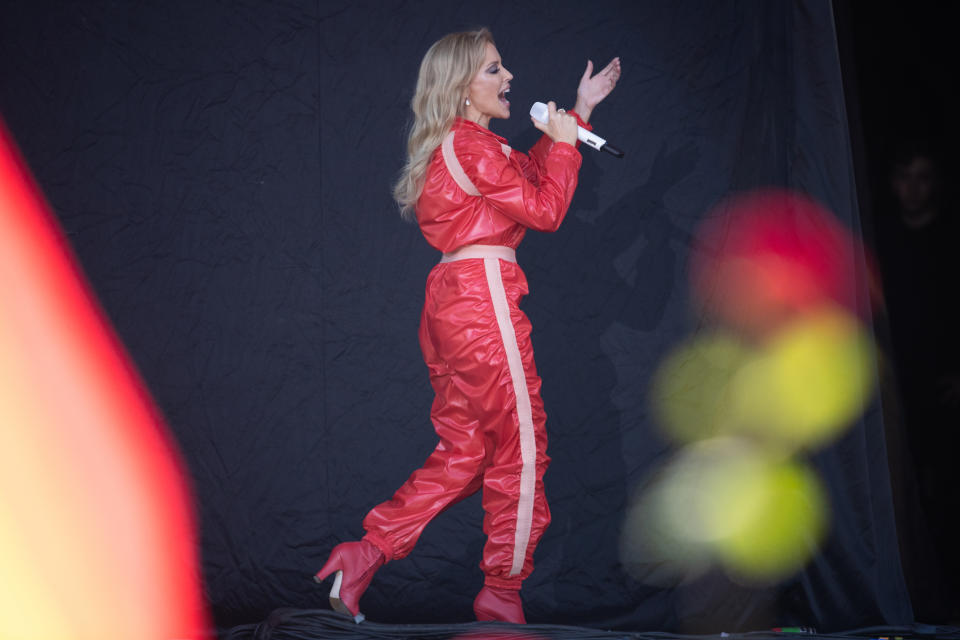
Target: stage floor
x=310, y=624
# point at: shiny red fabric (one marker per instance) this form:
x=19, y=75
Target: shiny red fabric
x=500, y=605
x=475, y=411
x=520, y=192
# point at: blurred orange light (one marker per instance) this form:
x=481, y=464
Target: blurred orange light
x=96, y=530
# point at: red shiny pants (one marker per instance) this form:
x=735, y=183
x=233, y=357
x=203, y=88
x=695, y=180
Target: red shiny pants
x=488, y=415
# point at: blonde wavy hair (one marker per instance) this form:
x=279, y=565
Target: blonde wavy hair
x=445, y=73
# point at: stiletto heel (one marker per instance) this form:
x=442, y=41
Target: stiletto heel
x=336, y=603
x=359, y=561
x=502, y=605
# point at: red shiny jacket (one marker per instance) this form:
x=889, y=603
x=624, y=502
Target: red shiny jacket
x=518, y=191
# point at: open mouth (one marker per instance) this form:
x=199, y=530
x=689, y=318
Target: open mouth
x=502, y=96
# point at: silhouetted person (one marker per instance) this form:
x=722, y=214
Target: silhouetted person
x=917, y=240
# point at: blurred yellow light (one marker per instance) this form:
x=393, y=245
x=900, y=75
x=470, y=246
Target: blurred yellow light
x=656, y=545
x=780, y=520
x=690, y=392
x=724, y=501
x=811, y=382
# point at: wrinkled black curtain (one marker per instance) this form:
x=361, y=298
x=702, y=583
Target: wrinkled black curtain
x=223, y=171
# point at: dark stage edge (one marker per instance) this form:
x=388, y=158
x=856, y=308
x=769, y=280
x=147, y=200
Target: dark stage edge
x=313, y=624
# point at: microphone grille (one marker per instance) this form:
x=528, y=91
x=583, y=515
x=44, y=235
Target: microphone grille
x=540, y=112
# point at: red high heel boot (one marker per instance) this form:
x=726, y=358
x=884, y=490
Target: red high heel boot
x=355, y=564
x=494, y=603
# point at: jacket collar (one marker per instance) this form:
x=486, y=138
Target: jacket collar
x=463, y=123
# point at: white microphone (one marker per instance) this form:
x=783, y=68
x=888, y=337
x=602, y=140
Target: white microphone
x=541, y=113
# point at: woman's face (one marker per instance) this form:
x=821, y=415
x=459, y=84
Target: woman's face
x=487, y=90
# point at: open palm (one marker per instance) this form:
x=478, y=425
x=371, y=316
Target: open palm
x=594, y=88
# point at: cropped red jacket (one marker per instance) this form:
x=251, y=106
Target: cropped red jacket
x=517, y=191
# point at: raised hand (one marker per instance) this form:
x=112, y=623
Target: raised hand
x=594, y=88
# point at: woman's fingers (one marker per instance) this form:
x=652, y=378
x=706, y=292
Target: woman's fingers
x=560, y=126
x=612, y=68
x=588, y=72
x=566, y=127
x=610, y=75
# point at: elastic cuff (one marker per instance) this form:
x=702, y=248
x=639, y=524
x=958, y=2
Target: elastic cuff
x=513, y=584
x=575, y=148
x=585, y=125
x=380, y=543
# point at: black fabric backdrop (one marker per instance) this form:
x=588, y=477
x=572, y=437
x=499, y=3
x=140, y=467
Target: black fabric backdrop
x=223, y=172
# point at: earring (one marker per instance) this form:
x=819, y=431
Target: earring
x=468, y=102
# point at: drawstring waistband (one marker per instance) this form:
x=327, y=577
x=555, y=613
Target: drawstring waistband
x=480, y=251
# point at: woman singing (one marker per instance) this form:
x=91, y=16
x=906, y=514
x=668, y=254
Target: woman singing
x=474, y=199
